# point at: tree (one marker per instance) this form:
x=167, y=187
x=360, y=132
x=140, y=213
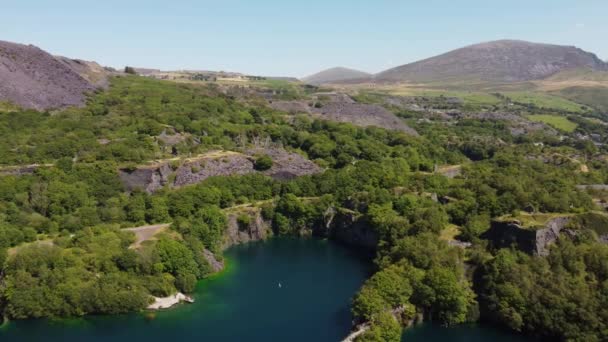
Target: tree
x=186, y=282
x=384, y=328
x=3, y=257
x=263, y=163
x=157, y=210
x=130, y=70
x=176, y=258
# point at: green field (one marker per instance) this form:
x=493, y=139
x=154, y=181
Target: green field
x=556, y=121
x=545, y=101
x=596, y=97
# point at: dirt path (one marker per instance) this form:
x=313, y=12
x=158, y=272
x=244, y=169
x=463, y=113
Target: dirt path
x=145, y=233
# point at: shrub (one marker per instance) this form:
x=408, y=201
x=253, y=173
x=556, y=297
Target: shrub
x=130, y=70
x=243, y=221
x=263, y=163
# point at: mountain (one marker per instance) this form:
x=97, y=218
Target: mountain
x=33, y=78
x=337, y=74
x=497, y=61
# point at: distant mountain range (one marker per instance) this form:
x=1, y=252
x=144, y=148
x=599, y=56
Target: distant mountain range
x=498, y=61
x=338, y=74
x=501, y=61
x=33, y=78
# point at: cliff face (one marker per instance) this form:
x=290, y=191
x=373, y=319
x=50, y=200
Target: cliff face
x=215, y=264
x=347, y=227
x=258, y=229
x=149, y=179
x=342, y=225
x=535, y=242
x=286, y=165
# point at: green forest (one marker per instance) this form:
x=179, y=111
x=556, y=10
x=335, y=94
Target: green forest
x=64, y=251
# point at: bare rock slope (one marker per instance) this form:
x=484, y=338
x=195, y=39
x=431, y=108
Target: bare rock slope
x=342, y=108
x=151, y=178
x=497, y=61
x=33, y=78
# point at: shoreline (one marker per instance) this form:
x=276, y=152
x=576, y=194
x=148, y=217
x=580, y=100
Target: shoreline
x=168, y=302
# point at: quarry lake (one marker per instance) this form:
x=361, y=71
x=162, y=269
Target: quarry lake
x=279, y=290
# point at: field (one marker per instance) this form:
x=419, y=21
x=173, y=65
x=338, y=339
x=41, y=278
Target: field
x=479, y=97
x=556, y=121
x=596, y=97
x=545, y=101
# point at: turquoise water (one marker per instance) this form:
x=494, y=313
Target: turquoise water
x=245, y=303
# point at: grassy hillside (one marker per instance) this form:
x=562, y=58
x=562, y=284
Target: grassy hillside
x=543, y=100
x=596, y=97
x=556, y=121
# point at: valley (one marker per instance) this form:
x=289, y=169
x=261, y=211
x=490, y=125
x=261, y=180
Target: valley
x=458, y=191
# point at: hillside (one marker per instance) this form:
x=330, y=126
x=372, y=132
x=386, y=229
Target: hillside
x=497, y=61
x=337, y=74
x=133, y=197
x=33, y=78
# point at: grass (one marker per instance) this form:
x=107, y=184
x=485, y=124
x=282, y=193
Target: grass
x=481, y=97
x=8, y=107
x=472, y=98
x=596, y=97
x=450, y=232
x=533, y=220
x=542, y=100
x=556, y=121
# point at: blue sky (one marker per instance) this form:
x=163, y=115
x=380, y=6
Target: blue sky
x=292, y=38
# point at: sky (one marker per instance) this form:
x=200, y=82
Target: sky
x=291, y=38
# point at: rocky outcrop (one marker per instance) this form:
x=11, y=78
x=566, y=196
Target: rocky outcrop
x=599, y=187
x=256, y=229
x=167, y=302
x=348, y=227
x=21, y=170
x=342, y=108
x=339, y=224
x=517, y=125
x=535, y=241
x=291, y=107
x=149, y=178
x=286, y=165
x=362, y=115
x=216, y=265
x=197, y=171
x=176, y=173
